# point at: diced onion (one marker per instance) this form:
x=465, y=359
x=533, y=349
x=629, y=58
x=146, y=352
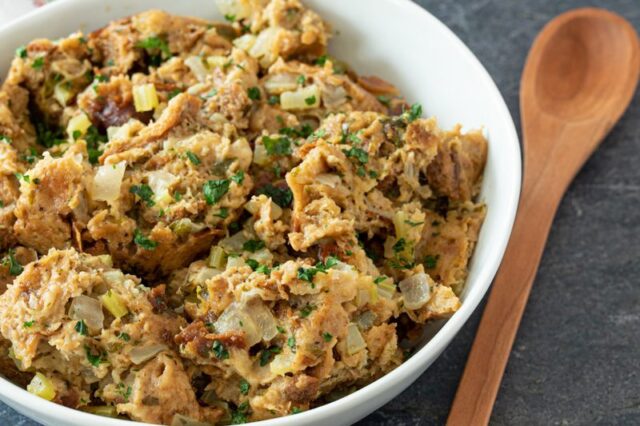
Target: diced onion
x=197, y=67
x=263, y=42
x=106, y=259
x=355, y=342
x=245, y=42
x=202, y=275
x=87, y=309
x=217, y=257
x=113, y=277
x=79, y=123
x=283, y=363
x=107, y=182
x=263, y=318
x=386, y=289
x=416, y=290
x=42, y=386
x=235, y=262
x=235, y=318
x=140, y=354
x=333, y=96
x=260, y=155
x=233, y=243
x=239, y=8
x=329, y=179
x=262, y=256
x=279, y=83
x=61, y=93
x=366, y=320
x=254, y=318
x=159, y=182
x=114, y=304
x=304, y=98
x=145, y=97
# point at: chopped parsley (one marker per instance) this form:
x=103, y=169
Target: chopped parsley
x=267, y=355
x=172, y=94
x=93, y=359
x=384, y=100
x=124, y=336
x=306, y=311
x=48, y=137
x=307, y=274
x=413, y=224
x=94, y=138
x=414, y=112
x=239, y=416
x=21, y=52
x=244, y=387
x=144, y=192
x=81, y=328
x=430, y=261
x=238, y=177
x=277, y=146
x=296, y=410
x=230, y=18
x=155, y=43
x=23, y=177
x=257, y=267
x=320, y=61
x=214, y=190
x=301, y=79
x=358, y=153
x=380, y=279
x=219, y=350
x=193, y=158
x=280, y=329
x=400, y=245
x=6, y=139
x=223, y=213
x=124, y=392
x=142, y=241
x=273, y=100
x=253, y=93
x=28, y=324
x=304, y=131
x=310, y=100
x=291, y=342
x=327, y=336
x=15, y=268
x=280, y=196
x=38, y=63
x=253, y=245
x=31, y=155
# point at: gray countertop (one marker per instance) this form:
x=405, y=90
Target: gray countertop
x=576, y=359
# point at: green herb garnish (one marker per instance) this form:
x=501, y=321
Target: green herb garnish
x=214, y=190
x=253, y=245
x=193, y=158
x=253, y=93
x=142, y=241
x=144, y=192
x=277, y=146
x=81, y=328
x=280, y=196
x=219, y=350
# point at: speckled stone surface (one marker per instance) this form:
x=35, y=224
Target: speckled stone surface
x=576, y=360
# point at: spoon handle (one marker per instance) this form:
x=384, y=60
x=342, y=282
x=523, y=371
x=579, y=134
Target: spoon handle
x=488, y=358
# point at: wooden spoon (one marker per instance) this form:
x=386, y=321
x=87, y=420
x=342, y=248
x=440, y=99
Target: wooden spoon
x=579, y=78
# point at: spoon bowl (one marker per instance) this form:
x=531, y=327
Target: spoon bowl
x=580, y=76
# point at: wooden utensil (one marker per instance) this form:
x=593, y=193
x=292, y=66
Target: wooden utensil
x=579, y=78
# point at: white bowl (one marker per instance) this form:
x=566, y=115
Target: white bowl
x=404, y=44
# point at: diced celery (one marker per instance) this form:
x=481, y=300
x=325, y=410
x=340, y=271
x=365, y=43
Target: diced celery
x=235, y=262
x=217, y=257
x=101, y=410
x=260, y=155
x=145, y=97
x=42, y=386
x=78, y=124
x=114, y=304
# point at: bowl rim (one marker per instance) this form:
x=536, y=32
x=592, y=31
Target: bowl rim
x=405, y=372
